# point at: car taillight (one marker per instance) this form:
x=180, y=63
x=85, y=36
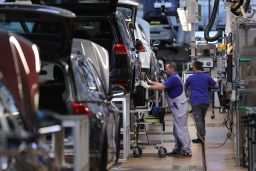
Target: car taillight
x=120, y=49
x=123, y=84
x=168, y=28
x=142, y=48
x=81, y=108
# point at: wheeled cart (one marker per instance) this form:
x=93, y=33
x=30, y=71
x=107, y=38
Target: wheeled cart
x=141, y=121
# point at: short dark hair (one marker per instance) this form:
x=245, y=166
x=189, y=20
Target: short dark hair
x=172, y=64
x=198, y=65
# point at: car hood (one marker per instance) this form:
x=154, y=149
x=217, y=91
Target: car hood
x=97, y=54
x=84, y=7
x=48, y=27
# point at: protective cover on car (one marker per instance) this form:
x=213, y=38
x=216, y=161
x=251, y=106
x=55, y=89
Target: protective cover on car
x=19, y=68
x=97, y=54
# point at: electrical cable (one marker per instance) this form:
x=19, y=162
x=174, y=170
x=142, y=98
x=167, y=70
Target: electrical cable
x=210, y=24
x=228, y=135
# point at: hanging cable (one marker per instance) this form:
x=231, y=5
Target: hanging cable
x=210, y=24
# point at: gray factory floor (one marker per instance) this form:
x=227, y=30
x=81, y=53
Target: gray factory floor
x=217, y=159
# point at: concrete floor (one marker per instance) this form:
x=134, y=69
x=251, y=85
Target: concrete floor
x=217, y=159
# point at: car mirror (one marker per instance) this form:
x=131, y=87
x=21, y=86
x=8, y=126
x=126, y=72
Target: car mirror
x=47, y=122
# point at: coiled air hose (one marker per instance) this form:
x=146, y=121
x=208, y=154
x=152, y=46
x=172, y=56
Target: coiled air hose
x=203, y=140
x=211, y=22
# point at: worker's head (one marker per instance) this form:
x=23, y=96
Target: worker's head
x=197, y=66
x=170, y=68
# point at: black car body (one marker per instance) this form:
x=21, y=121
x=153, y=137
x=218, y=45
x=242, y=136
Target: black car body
x=69, y=83
x=99, y=22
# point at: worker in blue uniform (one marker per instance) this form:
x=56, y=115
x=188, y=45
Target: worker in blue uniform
x=179, y=107
x=199, y=84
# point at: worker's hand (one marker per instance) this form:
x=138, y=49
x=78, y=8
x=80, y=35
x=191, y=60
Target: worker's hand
x=144, y=84
x=137, y=83
x=149, y=81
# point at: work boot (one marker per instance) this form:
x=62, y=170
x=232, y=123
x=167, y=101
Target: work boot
x=174, y=153
x=186, y=154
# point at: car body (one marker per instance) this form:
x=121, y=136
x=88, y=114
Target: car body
x=147, y=57
x=99, y=57
x=99, y=22
x=154, y=8
x=146, y=54
x=19, y=127
x=161, y=30
x=69, y=82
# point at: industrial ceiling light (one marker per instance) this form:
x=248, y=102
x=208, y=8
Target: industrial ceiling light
x=183, y=19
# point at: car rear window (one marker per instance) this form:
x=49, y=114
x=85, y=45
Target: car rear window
x=92, y=29
x=17, y=27
x=53, y=28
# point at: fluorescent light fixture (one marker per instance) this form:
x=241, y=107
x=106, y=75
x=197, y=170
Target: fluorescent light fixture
x=183, y=19
x=49, y=129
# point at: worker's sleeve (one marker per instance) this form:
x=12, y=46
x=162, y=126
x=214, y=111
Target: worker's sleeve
x=187, y=83
x=169, y=82
x=211, y=81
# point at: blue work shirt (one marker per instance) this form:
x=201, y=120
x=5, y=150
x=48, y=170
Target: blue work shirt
x=173, y=86
x=199, y=84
